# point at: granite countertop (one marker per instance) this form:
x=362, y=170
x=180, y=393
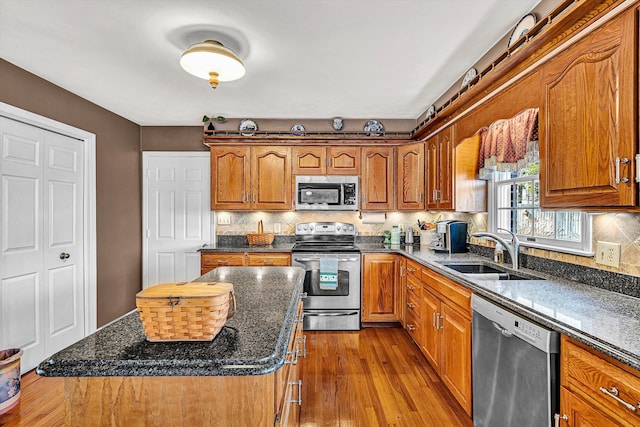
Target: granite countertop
x=605, y=320
x=253, y=342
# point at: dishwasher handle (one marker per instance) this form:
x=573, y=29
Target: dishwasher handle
x=502, y=330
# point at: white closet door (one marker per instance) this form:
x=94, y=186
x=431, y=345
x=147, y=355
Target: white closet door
x=41, y=295
x=63, y=250
x=177, y=215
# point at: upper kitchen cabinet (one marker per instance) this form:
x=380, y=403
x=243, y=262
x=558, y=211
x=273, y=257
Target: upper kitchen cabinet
x=245, y=178
x=588, y=135
x=377, y=192
x=314, y=160
x=410, y=177
x=438, y=170
x=230, y=178
x=470, y=192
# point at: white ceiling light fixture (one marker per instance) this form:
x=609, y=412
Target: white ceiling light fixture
x=211, y=60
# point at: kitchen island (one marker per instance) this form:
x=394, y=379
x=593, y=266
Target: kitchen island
x=243, y=377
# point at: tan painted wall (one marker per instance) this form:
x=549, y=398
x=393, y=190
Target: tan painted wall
x=118, y=199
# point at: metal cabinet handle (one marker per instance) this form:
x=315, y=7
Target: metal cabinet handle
x=411, y=270
x=433, y=323
x=421, y=197
x=618, y=161
x=410, y=287
x=637, y=179
x=558, y=417
x=299, y=399
x=223, y=261
x=267, y=261
x=302, y=340
x=293, y=360
x=440, y=323
x=401, y=271
x=613, y=393
x=64, y=256
x=410, y=327
x=410, y=305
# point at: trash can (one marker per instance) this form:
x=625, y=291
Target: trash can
x=9, y=378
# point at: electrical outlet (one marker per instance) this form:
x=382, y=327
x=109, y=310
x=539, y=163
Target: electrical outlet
x=608, y=254
x=224, y=219
x=276, y=227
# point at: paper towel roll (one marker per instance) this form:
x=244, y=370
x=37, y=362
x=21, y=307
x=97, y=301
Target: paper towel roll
x=373, y=217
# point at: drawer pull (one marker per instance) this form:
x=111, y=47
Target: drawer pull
x=411, y=270
x=613, y=392
x=410, y=287
x=410, y=305
x=267, y=261
x=223, y=261
x=299, y=399
x=410, y=327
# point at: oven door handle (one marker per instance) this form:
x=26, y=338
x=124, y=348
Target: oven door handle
x=332, y=314
x=318, y=259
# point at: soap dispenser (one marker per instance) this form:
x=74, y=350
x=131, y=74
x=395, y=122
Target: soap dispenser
x=498, y=254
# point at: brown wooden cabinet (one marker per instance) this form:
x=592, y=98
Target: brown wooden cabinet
x=594, y=387
x=588, y=121
x=470, y=192
x=410, y=184
x=401, y=286
x=447, y=333
x=288, y=396
x=318, y=160
x=377, y=191
x=211, y=260
x=244, y=178
x=438, y=154
x=379, y=287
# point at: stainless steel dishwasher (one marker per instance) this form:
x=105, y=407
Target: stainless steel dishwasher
x=515, y=368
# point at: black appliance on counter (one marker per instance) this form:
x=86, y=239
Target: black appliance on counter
x=336, y=307
x=451, y=237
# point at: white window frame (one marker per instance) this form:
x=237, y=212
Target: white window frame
x=583, y=248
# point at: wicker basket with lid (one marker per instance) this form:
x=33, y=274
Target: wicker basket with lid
x=194, y=311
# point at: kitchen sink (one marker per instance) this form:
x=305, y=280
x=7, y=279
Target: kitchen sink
x=487, y=272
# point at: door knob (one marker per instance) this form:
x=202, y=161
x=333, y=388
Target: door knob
x=64, y=256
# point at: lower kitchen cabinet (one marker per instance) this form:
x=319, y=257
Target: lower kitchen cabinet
x=289, y=378
x=446, y=308
x=401, y=287
x=211, y=260
x=379, y=287
x=595, y=389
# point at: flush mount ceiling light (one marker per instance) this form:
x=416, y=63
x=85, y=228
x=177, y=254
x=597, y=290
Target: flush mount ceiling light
x=211, y=60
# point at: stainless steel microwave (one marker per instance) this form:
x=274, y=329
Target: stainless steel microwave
x=326, y=193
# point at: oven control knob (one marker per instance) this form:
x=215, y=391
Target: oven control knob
x=351, y=228
x=338, y=228
x=311, y=228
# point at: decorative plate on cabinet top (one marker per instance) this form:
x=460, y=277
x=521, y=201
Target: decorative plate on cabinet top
x=431, y=111
x=471, y=74
x=374, y=127
x=248, y=127
x=298, y=130
x=522, y=27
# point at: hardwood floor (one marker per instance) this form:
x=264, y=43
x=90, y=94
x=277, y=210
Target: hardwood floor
x=373, y=377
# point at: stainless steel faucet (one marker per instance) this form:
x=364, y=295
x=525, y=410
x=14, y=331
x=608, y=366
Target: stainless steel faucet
x=513, y=248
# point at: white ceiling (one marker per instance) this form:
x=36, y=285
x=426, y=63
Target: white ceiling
x=362, y=59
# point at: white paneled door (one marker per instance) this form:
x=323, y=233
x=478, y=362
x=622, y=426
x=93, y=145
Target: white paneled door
x=42, y=259
x=176, y=215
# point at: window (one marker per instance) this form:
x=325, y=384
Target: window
x=516, y=207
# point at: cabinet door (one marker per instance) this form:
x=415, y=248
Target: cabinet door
x=445, y=151
x=581, y=414
x=430, y=322
x=378, y=288
x=377, y=179
x=230, y=178
x=343, y=160
x=589, y=119
x=309, y=160
x=410, y=177
x=271, y=178
x=432, y=167
x=456, y=359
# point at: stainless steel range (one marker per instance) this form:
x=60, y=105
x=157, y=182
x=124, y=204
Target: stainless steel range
x=333, y=297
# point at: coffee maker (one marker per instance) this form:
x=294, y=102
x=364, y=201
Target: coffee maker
x=451, y=236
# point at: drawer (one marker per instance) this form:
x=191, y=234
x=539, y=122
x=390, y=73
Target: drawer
x=588, y=375
x=448, y=289
x=218, y=260
x=413, y=269
x=414, y=286
x=414, y=327
x=413, y=305
x=282, y=259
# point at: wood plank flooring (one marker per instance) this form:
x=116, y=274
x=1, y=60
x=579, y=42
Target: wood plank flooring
x=373, y=377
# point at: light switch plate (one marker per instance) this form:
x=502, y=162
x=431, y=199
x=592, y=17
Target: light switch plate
x=608, y=254
x=224, y=219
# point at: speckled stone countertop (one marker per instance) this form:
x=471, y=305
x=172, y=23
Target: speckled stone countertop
x=253, y=342
x=605, y=320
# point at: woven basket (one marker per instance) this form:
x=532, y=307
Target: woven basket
x=194, y=311
x=260, y=238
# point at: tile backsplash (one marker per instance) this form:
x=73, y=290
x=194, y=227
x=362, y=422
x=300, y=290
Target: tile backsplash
x=622, y=228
